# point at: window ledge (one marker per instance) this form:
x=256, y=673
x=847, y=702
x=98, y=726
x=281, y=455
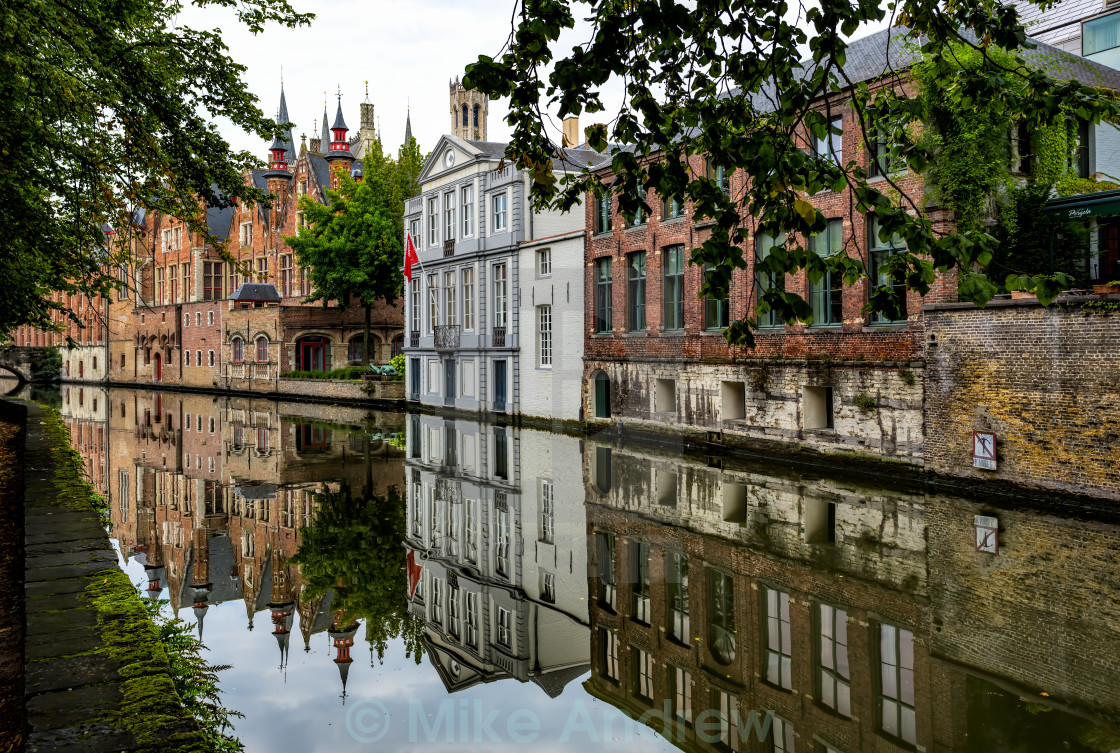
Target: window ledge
x=894, y=327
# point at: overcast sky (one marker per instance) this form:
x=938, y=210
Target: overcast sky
x=406, y=49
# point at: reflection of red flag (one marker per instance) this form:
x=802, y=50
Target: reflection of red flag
x=410, y=256
x=413, y=568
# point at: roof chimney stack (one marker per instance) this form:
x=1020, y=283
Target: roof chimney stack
x=571, y=133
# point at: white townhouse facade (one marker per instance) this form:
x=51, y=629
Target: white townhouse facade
x=497, y=553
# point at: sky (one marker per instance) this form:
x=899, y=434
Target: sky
x=407, y=50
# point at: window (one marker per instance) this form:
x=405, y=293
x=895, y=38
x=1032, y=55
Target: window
x=674, y=208
x=504, y=627
x=548, y=512
x=467, y=276
x=883, y=162
x=881, y=252
x=210, y=318
x=262, y=349
x=173, y=283
x=896, y=686
x=499, y=295
x=643, y=674
x=468, y=211
x=246, y=233
x=1081, y=155
x=177, y=238
x=198, y=357
x=831, y=146
x=1100, y=34
x=674, y=287
x=639, y=218
x=636, y=291
x=262, y=269
x=544, y=335
x=198, y=318
x=781, y=735
x=834, y=675
x=433, y=221
x=544, y=262
x=303, y=187
x=449, y=288
x=305, y=282
x=286, y=271
x=236, y=348
x=165, y=237
x=435, y=606
x=211, y=423
x=818, y=407
x=639, y=574
x=721, y=616
x=301, y=221
x=720, y=176
x=472, y=619
x=454, y=617
x=676, y=567
x=159, y=287
x=603, y=294
x=212, y=280
x=603, y=212
x=766, y=280
x=717, y=311
x=608, y=640
x=188, y=283
x=433, y=302
x=414, y=231
x=449, y=216
x=680, y=682
x=354, y=349
x=499, y=223
x=501, y=541
x=187, y=355
x=725, y=706
x=604, y=552
x=779, y=653
x=415, y=309
x=210, y=358
x=826, y=294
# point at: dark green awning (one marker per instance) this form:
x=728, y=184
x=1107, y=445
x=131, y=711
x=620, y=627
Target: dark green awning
x=1086, y=205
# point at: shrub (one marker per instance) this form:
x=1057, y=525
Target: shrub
x=346, y=372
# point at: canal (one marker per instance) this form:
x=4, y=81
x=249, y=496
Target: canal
x=404, y=582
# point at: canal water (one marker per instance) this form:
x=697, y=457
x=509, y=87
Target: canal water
x=391, y=582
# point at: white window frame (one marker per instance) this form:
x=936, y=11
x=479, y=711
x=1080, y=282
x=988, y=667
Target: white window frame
x=499, y=213
x=544, y=336
x=501, y=294
x=466, y=206
x=433, y=220
x=544, y=262
x=246, y=233
x=449, y=227
x=466, y=277
x=449, y=282
x=415, y=320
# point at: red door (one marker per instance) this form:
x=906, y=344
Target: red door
x=158, y=368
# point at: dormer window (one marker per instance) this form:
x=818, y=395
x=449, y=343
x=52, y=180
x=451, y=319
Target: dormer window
x=246, y=233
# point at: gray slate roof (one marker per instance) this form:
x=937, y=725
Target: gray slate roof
x=256, y=291
x=218, y=220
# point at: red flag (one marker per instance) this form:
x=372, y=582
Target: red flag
x=410, y=256
x=413, y=568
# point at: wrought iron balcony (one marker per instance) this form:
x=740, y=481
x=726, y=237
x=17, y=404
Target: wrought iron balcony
x=447, y=336
x=499, y=336
x=414, y=339
x=449, y=247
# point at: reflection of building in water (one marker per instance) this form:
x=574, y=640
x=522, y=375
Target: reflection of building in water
x=84, y=413
x=209, y=493
x=496, y=553
x=721, y=591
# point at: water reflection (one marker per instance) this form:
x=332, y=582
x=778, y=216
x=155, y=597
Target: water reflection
x=512, y=570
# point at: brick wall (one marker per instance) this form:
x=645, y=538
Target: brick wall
x=1045, y=380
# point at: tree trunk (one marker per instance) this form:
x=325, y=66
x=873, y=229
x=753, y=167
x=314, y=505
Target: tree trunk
x=365, y=342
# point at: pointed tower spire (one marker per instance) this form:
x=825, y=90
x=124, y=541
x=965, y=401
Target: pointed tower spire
x=325, y=137
x=408, y=128
x=282, y=117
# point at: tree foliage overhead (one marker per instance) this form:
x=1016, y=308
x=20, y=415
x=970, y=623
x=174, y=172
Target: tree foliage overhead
x=110, y=105
x=729, y=79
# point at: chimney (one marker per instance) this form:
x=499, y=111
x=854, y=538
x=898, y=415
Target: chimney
x=571, y=133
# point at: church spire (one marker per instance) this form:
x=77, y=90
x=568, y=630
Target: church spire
x=408, y=128
x=281, y=118
x=325, y=138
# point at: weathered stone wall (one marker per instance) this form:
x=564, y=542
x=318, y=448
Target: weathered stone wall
x=1045, y=380
x=342, y=390
x=876, y=408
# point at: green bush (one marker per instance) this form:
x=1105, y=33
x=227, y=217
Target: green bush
x=398, y=364
x=346, y=372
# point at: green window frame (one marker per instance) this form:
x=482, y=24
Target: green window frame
x=826, y=295
x=765, y=281
x=636, y=291
x=717, y=312
x=603, y=295
x=881, y=251
x=674, y=287
x=603, y=213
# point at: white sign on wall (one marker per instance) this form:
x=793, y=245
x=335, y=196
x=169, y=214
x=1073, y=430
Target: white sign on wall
x=984, y=450
x=986, y=534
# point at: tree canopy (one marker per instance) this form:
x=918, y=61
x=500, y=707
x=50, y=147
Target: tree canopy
x=750, y=84
x=110, y=106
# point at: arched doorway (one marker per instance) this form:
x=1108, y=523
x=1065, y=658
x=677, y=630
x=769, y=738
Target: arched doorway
x=601, y=394
x=313, y=354
x=157, y=367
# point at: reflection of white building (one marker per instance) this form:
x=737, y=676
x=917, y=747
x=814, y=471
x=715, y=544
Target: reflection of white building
x=497, y=553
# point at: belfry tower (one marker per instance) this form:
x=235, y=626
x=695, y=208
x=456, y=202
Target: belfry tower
x=468, y=112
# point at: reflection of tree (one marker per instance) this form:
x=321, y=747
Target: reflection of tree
x=354, y=547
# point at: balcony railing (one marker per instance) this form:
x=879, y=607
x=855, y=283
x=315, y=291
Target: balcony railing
x=447, y=336
x=237, y=370
x=499, y=336
x=414, y=339
x=449, y=247
x=262, y=371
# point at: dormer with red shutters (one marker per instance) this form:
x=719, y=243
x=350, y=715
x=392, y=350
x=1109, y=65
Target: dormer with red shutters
x=278, y=176
x=339, y=155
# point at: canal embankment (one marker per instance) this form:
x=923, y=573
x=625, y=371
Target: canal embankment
x=96, y=675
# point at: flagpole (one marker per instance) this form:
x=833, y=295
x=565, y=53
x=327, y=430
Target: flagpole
x=423, y=274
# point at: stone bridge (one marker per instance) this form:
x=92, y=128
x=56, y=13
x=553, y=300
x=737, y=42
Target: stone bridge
x=28, y=363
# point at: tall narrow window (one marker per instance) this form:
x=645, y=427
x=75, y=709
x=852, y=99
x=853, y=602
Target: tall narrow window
x=603, y=298
x=544, y=262
x=721, y=616
x=501, y=543
x=781, y=732
x=639, y=216
x=548, y=512
x=500, y=309
x=639, y=574
x=680, y=682
x=415, y=308
x=831, y=145
x=826, y=294
x=881, y=252
x=896, y=673
x=676, y=566
x=449, y=216
x=468, y=211
x=499, y=220
x=467, y=276
x=286, y=270
x=544, y=335
x=173, y=282
x=717, y=312
x=636, y=291
x=505, y=631
x=449, y=294
x=643, y=674
x=674, y=287
x=414, y=231
x=608, y=653
x=433, y=302
x=833, y=672
x=305, y=282
x=188, y=284
x=765, y=280
x=604, y=552
x=674, y=208
x=262, y=349
x=720, y=176
x=882, y=160
x=262, y=269
x=472, y=619
x=603, y=218
x=777, y=638
x=237, y=350
x=159, y=287
x=433, y=221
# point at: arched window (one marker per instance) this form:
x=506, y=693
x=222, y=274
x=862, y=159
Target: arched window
x=476, y=109
x=354, y=350
x=398, y=346
x=602, y=395
x=262, y=349
x=237, y=349
x=465, y=123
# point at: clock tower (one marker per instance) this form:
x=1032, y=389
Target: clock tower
x=468, y=112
